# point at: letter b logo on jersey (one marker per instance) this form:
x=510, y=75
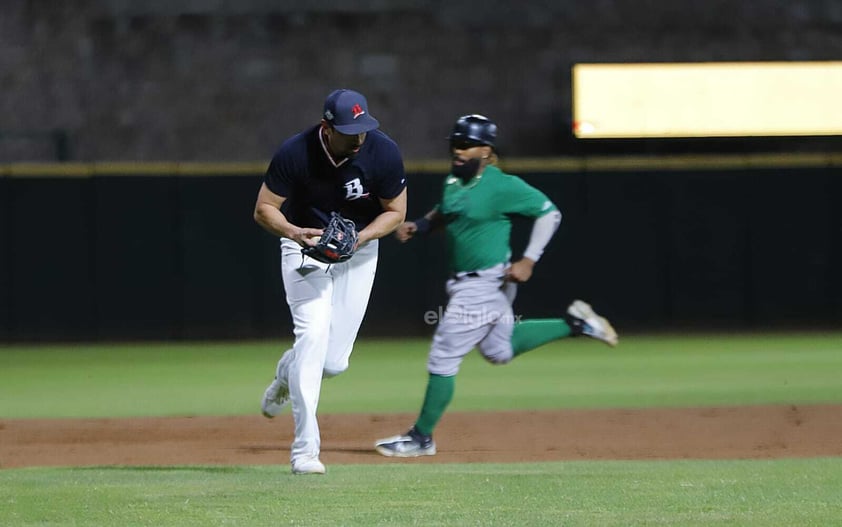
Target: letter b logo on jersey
x=355, y=190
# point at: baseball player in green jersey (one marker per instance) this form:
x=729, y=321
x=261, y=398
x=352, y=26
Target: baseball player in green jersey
x=475, y=208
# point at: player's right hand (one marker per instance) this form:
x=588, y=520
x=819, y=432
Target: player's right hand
x=307, y=236
x=406, y=231
x=520, y=271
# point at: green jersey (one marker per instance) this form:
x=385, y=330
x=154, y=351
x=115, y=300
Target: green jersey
x=477, y=214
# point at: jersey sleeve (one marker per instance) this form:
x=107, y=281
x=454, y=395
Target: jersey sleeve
x=525, y=200
x=279, y=177
x=390, y=171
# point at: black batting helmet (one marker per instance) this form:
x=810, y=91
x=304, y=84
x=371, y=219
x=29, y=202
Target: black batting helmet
x=474, y=128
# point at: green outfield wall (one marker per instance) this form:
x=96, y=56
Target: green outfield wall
x=111, y=251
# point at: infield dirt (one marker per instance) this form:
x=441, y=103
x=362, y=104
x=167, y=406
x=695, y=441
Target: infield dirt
x=746, y=432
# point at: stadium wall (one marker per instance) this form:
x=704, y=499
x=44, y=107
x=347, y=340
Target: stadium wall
x=170, y=251
x=186, y=80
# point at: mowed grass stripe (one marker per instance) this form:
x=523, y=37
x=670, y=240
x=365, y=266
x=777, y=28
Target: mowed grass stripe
x=615, y=493
x=163, y=379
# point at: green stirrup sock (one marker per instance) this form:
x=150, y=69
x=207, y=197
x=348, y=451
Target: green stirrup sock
x=529, y=334
x=439, y=393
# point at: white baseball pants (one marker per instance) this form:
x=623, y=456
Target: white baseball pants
x=327, y=304
x=478, y=315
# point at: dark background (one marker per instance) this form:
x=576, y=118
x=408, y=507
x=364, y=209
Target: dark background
x=145, y=252
x=222, y=80
x=125, y=257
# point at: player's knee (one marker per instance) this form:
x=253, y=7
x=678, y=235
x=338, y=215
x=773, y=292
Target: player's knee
x=445, y=368
x=499, y=360
x=332, y=370
x=504, y=356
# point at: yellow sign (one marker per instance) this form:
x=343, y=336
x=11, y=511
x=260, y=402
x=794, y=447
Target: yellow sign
x=707, y=99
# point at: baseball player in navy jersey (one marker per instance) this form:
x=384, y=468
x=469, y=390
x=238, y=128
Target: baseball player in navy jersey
x=346, y=165
x=475, y=208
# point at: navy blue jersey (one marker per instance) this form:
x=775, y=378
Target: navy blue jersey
x=302, y=172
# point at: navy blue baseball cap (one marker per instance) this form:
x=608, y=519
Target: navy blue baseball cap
x=347, y=111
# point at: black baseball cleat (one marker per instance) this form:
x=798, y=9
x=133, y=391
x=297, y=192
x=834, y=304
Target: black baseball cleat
x=412, y=444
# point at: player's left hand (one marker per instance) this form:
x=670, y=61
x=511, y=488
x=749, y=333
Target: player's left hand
x=520, y=271
x=337, y=243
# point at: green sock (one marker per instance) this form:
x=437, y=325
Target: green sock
x=530, y=334
x=439, y=393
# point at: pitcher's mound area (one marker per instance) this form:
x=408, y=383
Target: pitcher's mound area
x=702, y=433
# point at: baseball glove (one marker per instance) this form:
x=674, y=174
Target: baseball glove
x=337, y=243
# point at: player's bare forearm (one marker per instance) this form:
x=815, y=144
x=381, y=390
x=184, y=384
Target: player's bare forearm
x=267, y=214
x=394, y=213
x=384, y=224
x=273, y=221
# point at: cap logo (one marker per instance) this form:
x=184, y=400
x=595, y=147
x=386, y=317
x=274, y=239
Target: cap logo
x=328, y=115
x=357, y=110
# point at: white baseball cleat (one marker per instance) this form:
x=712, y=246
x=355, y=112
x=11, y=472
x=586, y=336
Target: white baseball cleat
x=276, y=396
x=308, y=465
x=591, y=324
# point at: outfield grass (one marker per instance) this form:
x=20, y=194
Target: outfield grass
x=783, y=493
x=389, y=376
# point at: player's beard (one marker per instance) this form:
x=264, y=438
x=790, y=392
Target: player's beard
x=348, y=152
x=342, y=149
x=466, y=170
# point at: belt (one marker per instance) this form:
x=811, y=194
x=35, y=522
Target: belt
x=459, y=276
